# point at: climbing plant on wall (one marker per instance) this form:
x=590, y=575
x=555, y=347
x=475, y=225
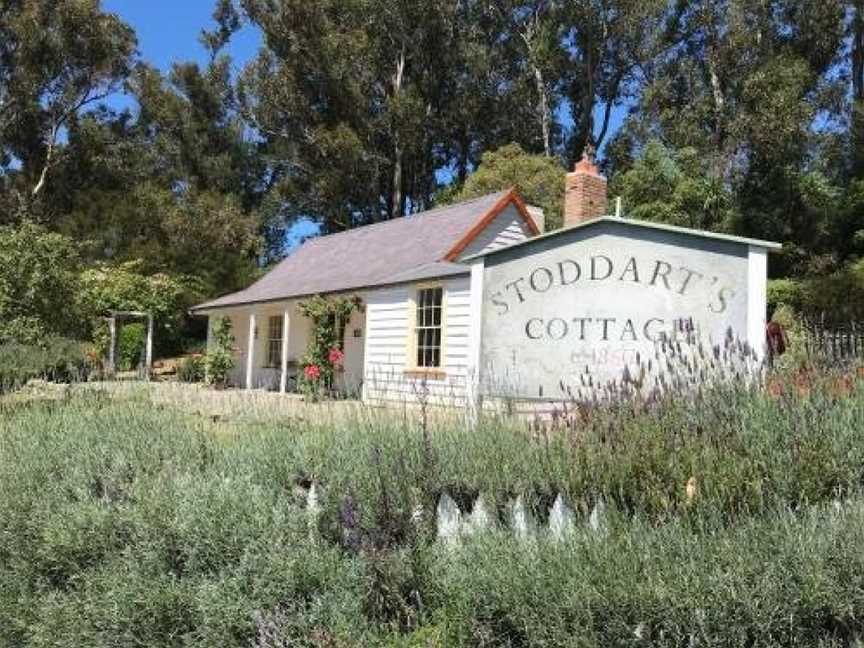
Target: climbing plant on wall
x=324, y=355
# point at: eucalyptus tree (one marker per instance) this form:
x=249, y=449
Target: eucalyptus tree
x=345, y=94
x=744, y=76
x=855, y=21
x=362, y=103
x=748, y=86
x=57, y=57
x=175, y=184
x=609, y=44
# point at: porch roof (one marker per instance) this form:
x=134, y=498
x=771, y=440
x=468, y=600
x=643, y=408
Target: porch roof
x=413, y=248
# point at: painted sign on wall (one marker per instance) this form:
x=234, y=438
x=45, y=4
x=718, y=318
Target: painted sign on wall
x=594, y=301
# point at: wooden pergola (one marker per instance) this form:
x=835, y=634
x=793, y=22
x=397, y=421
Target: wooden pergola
x=119, y=316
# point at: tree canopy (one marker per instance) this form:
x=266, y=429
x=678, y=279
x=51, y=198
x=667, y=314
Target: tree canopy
x=738, y=116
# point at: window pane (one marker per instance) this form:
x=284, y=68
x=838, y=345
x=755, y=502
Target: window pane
x=428, y=319
x=275, y=327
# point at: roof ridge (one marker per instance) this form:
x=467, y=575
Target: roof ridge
x=633, y=222
x=390, y=221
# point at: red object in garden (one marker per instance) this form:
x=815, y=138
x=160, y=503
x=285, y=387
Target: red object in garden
x=775, y=337
x=336, y=356
x=312, y=372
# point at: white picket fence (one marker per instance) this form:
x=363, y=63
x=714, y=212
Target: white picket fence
x=453, y=525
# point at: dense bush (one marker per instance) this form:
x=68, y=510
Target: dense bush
x=219, y=360
x=55, y=359
x=191, y=369
x=127, y=522
x=834, y=299
x=780, y=581
x=127, y=286
x=39, y=281
x=130, y=345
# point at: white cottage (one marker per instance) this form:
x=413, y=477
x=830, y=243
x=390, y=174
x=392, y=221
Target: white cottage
x=474, y=298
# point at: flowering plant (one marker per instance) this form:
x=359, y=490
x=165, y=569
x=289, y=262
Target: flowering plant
x=336, y=356
x=324, y=355
x=312, y=372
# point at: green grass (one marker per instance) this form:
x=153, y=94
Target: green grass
x=126, y=522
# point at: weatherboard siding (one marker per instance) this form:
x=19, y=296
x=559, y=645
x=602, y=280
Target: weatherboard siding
x=388, y=329
x=507, y=228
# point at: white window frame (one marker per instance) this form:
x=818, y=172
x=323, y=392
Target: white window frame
x=412, y=350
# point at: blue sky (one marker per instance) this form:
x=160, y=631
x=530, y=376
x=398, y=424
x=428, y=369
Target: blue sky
x=168, y=30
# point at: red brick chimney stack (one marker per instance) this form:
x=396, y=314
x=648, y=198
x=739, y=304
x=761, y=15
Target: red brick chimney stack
x=585, y=194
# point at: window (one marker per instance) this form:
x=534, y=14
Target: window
x=428, y=327
x=274, y=341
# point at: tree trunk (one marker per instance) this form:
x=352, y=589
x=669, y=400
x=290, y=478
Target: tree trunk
x=586, y=123
x=462, y=167
x=539, y=82
x=545, y=117
x=719, y=97
x=49, y=160
x=396, y=207
x=396, y=204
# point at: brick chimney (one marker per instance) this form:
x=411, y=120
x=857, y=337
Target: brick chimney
x=585, y=192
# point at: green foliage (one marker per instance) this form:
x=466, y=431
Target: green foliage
x=785, y=292
x=761, y=116
x=38, y=284
x=538, y=179
x=219, y=360
x=797, y=353
x=54, y=359
x=56, y=58
x=834, y=299
x=424, y=86
x=127, y=522
x=839, y=297
x=127, y=287
x=673, y=187
x=192, y=369
x=174, y=189
x=130, y=345
x=659, y=586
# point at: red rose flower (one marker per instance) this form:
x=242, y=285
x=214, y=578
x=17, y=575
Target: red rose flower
x=336, y=356
x=312, y=372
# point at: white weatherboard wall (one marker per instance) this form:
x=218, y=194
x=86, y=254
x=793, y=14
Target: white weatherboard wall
x=508, y=227
x=388, y=331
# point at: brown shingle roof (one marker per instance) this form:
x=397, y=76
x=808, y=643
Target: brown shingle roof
x=403, y=249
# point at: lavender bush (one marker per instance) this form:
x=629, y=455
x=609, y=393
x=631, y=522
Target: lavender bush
x=734, y=517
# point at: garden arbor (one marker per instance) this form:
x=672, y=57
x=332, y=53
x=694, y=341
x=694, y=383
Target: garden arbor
x=115, y=317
